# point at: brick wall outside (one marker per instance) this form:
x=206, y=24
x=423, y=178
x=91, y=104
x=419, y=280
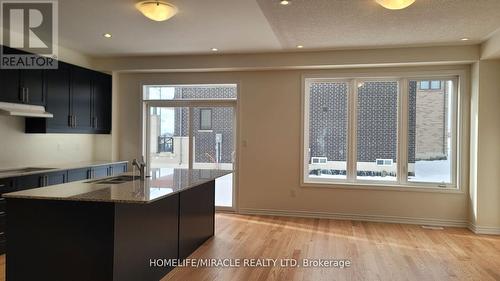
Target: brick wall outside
x=377, y=117
x=431, y=124
x=222, y=122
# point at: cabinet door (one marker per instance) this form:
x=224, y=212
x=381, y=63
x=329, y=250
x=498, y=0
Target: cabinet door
x=28, y=182
x=32, y=82
x=9, y=86
x=56, y=178
x=58, y=97
x=81, y=98
x=78, y=174
x=118, y=169
x=100, y=172
x=102, y=102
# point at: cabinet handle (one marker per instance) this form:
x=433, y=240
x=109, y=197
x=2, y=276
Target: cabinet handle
x=70, y=121
x=21, y=94
x=27, y=95
x=74, y=122
x=96, y=122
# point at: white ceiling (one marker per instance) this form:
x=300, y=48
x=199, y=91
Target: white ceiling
x=249, y=26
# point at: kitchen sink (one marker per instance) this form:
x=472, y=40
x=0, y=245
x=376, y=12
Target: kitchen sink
x=24, y=170
x=115, y=180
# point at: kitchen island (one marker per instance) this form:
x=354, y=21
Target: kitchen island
x=109, y=229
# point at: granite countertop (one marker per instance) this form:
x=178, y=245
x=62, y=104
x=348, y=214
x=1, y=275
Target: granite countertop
x=163, y=183
x=11, y=172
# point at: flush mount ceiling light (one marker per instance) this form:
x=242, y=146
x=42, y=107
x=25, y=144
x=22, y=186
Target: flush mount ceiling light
x=284, y=2
x=156, y=10
x=107, y=35
x=395, y=4
x=214, y=50
x=465, y=39
x=300, y=46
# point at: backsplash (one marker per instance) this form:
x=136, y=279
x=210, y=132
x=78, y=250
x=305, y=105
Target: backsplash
x=18, y=149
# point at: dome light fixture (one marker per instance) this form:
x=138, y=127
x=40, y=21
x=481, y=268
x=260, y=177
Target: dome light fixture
x=395, y=4
x=156, y=10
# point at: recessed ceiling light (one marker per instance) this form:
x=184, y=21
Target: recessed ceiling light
x=465, y=39
x=284, y=2
x=395, y=4
x=215, y=50
x=300, y=46
x=107, y=35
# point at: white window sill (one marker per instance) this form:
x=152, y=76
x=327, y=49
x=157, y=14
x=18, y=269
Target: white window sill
x=385, y=186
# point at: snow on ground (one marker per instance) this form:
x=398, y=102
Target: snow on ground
x=432, y=171
x=425, y=171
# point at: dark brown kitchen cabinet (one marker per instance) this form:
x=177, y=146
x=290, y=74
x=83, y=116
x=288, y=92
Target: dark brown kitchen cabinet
x=79, y=99
x=9, y=85
x=101, y=102
x=22, y=86
x=32, y=86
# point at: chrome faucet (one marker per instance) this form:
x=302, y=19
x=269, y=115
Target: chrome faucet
x=141, y=165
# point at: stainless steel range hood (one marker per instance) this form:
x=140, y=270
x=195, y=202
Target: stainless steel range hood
x=25, y=110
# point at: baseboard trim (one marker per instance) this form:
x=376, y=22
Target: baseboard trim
x=477, y=229
x=356, y=217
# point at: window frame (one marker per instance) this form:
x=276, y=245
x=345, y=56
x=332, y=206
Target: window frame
x=459, y=138
x=201, y=128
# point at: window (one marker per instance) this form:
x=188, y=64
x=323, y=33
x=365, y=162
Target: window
x=328, y=130
x=430, y=85
x=435, y=85
x=190, y=92
x=425, y=85
x=391, y=131
x=430, y=133
x=377, y=129
x=206, y=119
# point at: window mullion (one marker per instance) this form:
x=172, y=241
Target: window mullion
x=352, y=126
x=402, y=160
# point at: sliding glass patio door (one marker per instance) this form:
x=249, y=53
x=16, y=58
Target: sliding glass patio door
x=191, y=133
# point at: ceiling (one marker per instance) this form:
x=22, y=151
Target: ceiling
x=250, y=26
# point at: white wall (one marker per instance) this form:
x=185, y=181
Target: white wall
x=269, y=167
x=18, y=149
x=485, y=153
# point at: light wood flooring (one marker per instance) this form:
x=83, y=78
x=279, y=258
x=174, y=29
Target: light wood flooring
x=378, y=251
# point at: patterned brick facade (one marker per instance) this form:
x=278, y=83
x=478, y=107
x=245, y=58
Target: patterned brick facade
x=222, y=123
x=377, y=117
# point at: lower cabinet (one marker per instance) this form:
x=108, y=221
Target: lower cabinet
x=78, y=174
x=100, y=171
x=56, y=178
x=51, y=178
x=6, y=185
x=117, y=169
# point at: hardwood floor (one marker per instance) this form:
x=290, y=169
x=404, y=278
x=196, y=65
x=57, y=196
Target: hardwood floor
x=378, y=251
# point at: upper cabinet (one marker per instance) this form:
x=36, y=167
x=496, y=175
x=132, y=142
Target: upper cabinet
x=79, y=99
x=9, y=86
x=22, y=86
x=101, y=97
